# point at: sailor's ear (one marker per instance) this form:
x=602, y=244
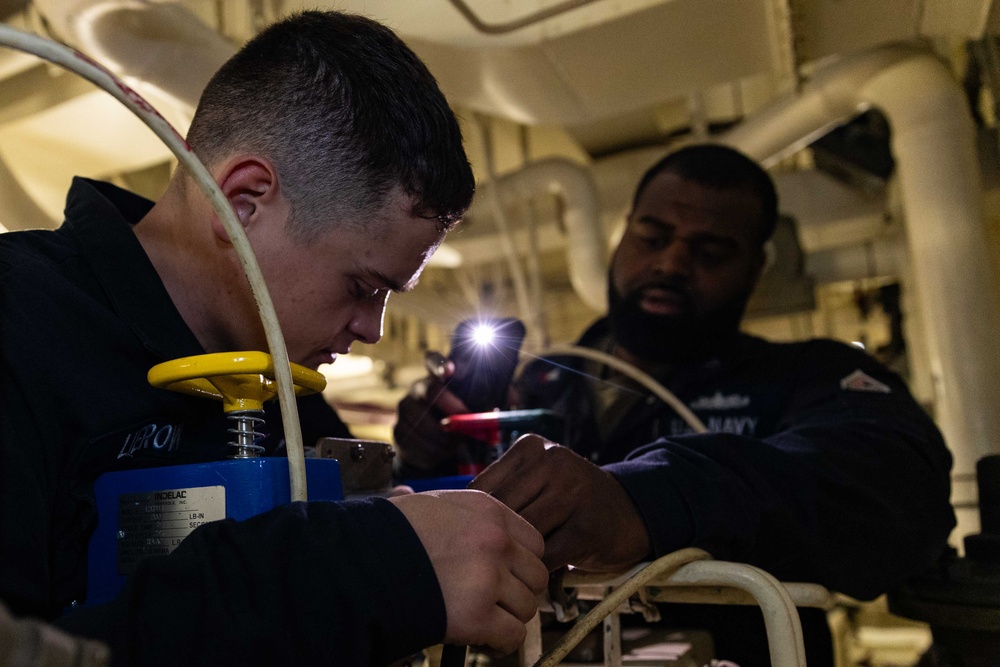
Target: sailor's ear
x=250, y=183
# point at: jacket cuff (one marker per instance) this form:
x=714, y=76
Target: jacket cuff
x=668, y=518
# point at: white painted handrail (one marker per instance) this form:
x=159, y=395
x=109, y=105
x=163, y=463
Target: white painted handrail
x=687, y=576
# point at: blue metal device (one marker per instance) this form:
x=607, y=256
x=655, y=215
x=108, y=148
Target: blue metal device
x=149, y=512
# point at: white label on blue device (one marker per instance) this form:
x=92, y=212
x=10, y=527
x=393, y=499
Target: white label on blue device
x=154, y=523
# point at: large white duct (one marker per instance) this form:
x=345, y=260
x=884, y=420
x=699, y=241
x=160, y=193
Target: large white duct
x=164, y=45
x=585, y=245
x=938, y=172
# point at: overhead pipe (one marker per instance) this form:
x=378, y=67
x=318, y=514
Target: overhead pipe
x=147, y=40
x=162, y=44
x=531, y=313
x=877, y=257
x=933, y=141
x=585, y=244
x=518, y=23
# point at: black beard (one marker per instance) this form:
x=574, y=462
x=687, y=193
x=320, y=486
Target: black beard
x=673, y=339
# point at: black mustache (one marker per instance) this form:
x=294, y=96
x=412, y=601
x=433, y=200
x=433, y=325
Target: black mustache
x=634, y=297
x=666, y=285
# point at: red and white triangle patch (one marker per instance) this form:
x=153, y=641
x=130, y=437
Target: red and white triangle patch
x=861, y=381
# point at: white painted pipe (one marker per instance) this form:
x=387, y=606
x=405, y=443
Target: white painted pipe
x=162, y=44
x=586, y=251
x=933, y=144
x=831, y=96
x=616, y=177
x=879, y=257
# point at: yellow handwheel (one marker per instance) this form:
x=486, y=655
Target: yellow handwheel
x=241, y=380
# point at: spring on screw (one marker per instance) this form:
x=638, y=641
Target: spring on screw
x=247, y=435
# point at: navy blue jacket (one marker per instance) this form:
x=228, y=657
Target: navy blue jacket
x=83, y=316
x=819, y=465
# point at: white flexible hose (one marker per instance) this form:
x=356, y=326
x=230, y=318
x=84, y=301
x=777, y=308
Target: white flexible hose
x=617, y=598
x=672, y=561
x=95, y=73
x=639, y=376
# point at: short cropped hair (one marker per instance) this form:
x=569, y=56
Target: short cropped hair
x=346, y=112
x=722, y=168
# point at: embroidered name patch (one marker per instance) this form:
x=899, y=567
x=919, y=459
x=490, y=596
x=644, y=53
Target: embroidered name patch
x=153, y=438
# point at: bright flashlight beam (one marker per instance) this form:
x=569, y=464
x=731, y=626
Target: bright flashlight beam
x=483, y=335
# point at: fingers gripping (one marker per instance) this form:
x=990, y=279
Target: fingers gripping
x=488, y=564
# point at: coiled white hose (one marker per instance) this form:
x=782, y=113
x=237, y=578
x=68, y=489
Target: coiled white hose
x=80, y=64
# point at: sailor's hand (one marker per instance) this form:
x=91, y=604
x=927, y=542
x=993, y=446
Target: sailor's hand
x=420, y=442
x=488, y=563
x=587, y=518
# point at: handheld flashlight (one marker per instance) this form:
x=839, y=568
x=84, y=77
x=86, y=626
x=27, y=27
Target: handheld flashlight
x=485, y=355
